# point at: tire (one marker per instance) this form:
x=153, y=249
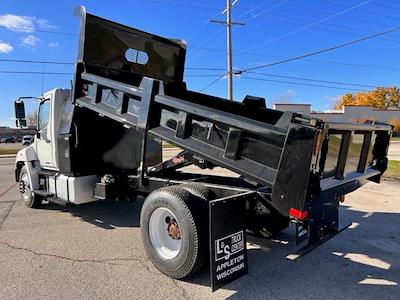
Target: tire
x=183, y=254
x=197, y=190
x=30, y=200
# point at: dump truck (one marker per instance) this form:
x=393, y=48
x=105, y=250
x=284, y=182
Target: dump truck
x=102, y=140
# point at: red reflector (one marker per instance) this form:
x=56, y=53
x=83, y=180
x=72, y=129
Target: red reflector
x=301, y=215
x=178, y=159
x=317, y=143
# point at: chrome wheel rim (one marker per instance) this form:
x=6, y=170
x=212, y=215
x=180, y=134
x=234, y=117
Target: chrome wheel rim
x=164, y=233
x=25, y=188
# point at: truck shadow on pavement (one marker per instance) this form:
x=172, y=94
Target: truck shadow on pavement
x=362, y=262
x=105, y=214
x=357, y=264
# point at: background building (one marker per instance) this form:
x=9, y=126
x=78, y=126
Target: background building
x=349, y=113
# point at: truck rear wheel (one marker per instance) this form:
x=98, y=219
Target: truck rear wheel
x=173, y=232
x=30, y=199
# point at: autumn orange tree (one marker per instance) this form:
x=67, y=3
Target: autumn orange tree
x=381, y=97
x=396, y=124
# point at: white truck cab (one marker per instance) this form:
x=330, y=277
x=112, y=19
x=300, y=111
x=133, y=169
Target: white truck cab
x=44, y=147
x=48, y=122
x=40, y=158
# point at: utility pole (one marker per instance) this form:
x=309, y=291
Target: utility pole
x=229, y=48
x=228, y=23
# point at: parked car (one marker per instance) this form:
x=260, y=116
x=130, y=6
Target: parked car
x=10, y=140
x=18, y=139
x=27, y=140
x=2, y=140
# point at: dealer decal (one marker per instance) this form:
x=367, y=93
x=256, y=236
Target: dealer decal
x=228, y=259
x=229, y=245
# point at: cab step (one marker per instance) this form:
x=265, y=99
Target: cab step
x=48, y=173
x=42, y=193
x=58, y=201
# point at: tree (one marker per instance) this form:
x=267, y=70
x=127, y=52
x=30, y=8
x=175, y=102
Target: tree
x=31, y=119
x=396, y=124
x=381, y=97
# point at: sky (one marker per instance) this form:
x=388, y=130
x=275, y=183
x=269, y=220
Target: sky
x=274, y=30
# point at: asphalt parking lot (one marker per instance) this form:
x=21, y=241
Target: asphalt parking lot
x=95, y=251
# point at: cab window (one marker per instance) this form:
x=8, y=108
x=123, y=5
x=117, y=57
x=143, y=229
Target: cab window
x=44, y=111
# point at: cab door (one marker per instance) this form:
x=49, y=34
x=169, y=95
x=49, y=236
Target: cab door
x=43, y=140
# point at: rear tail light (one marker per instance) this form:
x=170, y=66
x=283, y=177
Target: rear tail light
x=298, y=214
x=317, y=143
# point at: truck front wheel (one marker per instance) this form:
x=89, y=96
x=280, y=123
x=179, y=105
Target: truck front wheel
x=172, y=233
x=30, y=199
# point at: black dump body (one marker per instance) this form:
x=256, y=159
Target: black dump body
x=134, y=81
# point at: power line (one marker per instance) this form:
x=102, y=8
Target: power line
x=364, y=10
x=307, y=26
x=308, y=9
x=269, y=9
x=71, y=63
x=206, y=75
x=323, y=50
x=35, y=61
x=205, y=69
x=212, y=83
x=332, y=29
x=303, y=27
x=344, y=84
x=313, y=80
x=305, y=55
x=385, y=5
x=303, y=84
x=202, y=75
x=69, y=73
x=222, y=69
x=34, y=72
x=309, y=60
x=28, y=30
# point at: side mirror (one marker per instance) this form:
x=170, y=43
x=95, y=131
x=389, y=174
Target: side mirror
x=19, y=107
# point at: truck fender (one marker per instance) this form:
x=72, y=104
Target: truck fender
x=28, y=157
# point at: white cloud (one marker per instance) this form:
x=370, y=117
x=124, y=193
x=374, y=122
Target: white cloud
x=53, y=44
x=286, y=97
x=44, y=24
x=331, y=101
x=5, y=47
x=24, y=23
x=30, y=40
x=17, y=23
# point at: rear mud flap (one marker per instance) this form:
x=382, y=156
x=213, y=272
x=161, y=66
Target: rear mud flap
x=228, y=252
